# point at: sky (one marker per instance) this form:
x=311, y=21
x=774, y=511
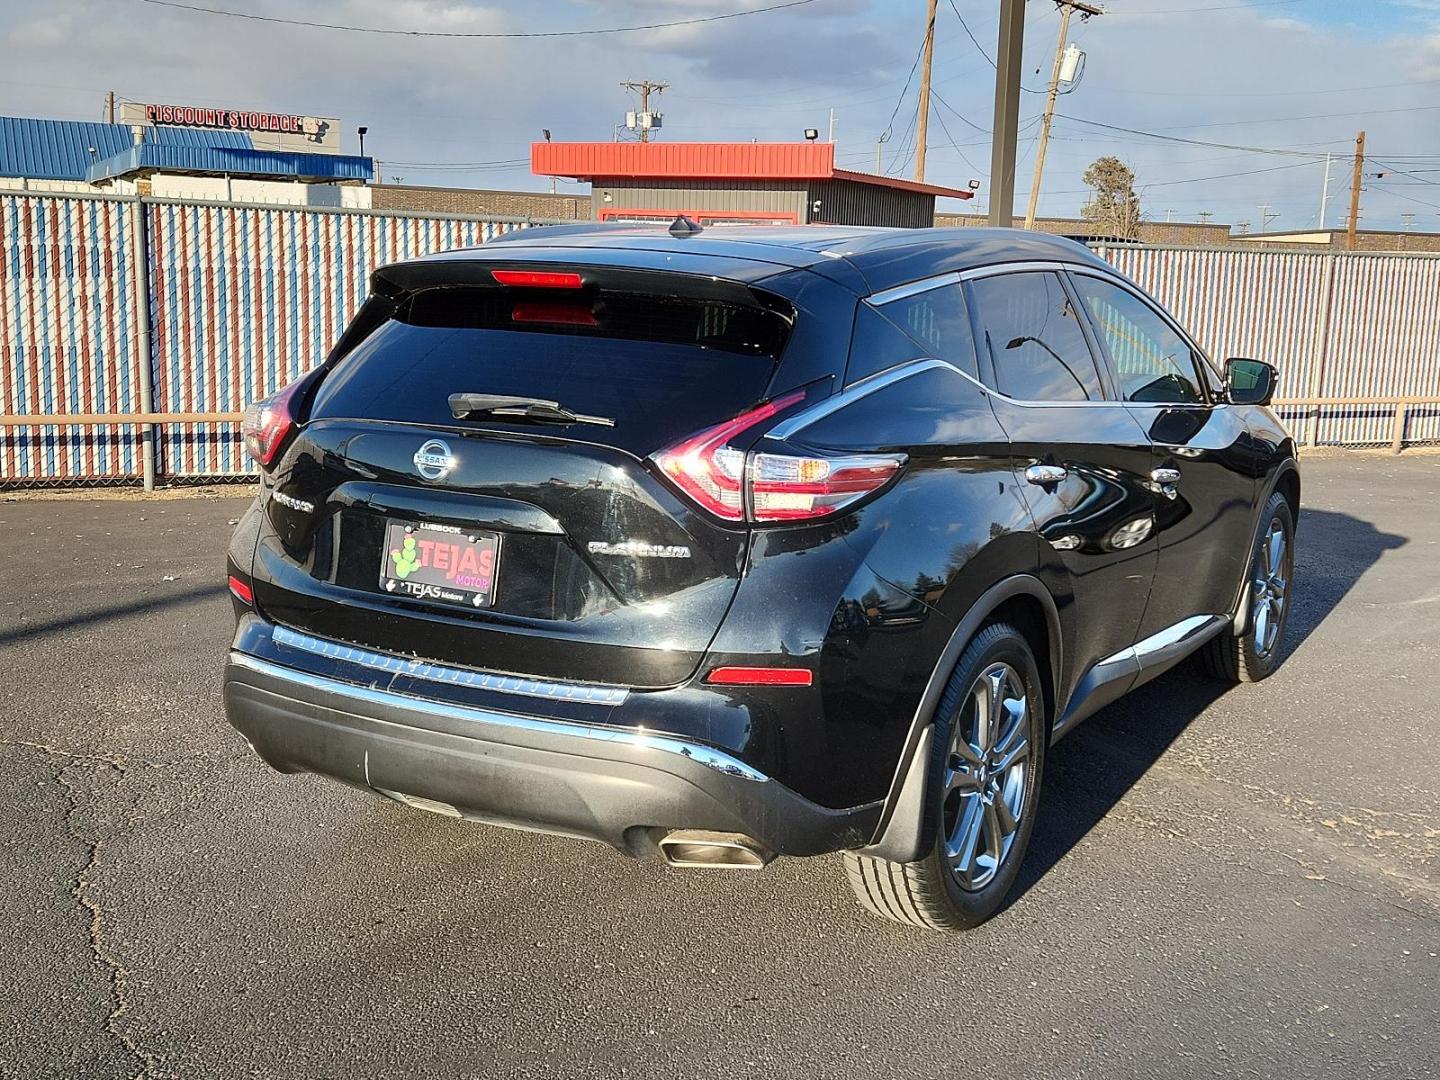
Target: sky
x=1276, y=83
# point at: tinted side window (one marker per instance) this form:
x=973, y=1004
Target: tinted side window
x=1034, y=339
x=930, y=324
x=1152, y=362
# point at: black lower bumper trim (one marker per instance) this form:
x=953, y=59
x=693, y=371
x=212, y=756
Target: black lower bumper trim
x=613, y=785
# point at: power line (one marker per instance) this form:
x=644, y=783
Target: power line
x=1218, y=7
x=889, y=124
x=1261, y=93
x=1190, y=142
x=1201, y=179
x=980, y=48
x=250, y=16
x=956, y=146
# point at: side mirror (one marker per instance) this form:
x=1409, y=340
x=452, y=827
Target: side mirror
x=1249, y=382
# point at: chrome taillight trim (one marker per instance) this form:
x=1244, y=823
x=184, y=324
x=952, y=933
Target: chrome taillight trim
x=582, y=693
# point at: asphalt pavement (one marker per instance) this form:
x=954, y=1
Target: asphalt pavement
x=1230, y=883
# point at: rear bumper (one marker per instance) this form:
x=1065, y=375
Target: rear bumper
x=617, y=785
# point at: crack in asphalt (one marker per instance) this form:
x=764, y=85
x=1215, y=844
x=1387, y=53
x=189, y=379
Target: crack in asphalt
x=81, y=892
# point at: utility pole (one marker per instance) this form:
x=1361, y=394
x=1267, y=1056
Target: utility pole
x=832, y=125
x=1325, y=193
x=1066, y=7
x=879, y=152
x=1205, y=216
x=1008, y=58
x=1355, y=179
x=110, y=106
x=922, y=120
x=1265, y=216
x=644, y=88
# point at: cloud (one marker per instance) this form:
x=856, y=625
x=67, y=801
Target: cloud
x=1255, y=77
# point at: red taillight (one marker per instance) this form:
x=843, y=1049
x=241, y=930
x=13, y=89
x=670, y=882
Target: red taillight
x=766, y=487
x=242, y=591
x=712, y=473
x=267, y=423
x=784, y=487
x=537, y=279
x=760, y=676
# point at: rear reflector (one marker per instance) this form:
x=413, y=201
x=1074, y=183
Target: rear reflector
x=241, y=591
x=760, y=676
x=537, y=279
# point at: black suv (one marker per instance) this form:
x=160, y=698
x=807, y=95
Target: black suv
x=743, y=542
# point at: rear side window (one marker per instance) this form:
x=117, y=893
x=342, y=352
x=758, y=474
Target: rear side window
x=1151, y=361
x=934, y=324
x=1033, y=339
x=660, y=367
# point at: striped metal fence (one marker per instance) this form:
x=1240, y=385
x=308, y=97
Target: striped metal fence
x=229, y=302
x=184, y=312
x=1338, y=326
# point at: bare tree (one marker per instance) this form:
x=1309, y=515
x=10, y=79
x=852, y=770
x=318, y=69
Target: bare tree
x=1115, y=206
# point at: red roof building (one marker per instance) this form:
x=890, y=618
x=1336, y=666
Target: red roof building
x=732, y=183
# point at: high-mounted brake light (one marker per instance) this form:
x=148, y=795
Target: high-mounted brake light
x=760, y=676
x=266, y=424
x=554, y=314
x=765, y=487
x=537, y=279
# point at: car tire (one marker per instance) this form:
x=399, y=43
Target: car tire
x=974, y=794
x=1255, y=654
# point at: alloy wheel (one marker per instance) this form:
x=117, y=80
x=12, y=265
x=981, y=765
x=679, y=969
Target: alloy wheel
x=1272, y=579
x=986, y=776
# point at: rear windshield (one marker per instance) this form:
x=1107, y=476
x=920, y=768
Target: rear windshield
x=660, y=367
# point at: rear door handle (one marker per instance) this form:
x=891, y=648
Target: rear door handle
x=1163, y=482
x=1046, y=474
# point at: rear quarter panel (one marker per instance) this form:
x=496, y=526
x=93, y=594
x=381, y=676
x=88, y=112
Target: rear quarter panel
x=875, y=596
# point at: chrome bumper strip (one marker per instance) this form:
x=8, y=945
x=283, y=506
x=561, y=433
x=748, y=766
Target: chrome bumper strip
x=499, y=721
x=440, y=673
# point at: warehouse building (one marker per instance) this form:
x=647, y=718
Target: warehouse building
x=182, y=152
x=736, y=183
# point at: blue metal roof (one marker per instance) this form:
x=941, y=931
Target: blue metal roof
x=60, y=149
x=229, y=161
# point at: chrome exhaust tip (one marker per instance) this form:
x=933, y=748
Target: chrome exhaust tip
x=716, y=850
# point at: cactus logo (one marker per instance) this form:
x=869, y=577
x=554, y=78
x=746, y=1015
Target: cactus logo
x=407, y=559
x=434, y=460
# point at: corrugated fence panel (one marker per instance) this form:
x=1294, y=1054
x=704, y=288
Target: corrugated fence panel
x=248, y=299
x=244, y=299
x=1381, y=337
x=1384, y=342
x=67, y=335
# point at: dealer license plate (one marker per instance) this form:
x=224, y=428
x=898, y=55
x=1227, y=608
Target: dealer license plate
x=440, y=563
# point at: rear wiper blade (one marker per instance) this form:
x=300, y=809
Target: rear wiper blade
x=536, y=410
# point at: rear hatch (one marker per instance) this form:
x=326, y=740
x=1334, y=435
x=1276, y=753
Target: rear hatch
x=510, y=537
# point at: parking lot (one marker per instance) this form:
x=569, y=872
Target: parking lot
x=1222, y=883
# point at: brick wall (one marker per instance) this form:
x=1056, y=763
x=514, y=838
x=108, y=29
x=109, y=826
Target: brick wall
x=519, y=204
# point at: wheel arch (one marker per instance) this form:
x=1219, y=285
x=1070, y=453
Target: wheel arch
x=1285, y=480
x=901, y=835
